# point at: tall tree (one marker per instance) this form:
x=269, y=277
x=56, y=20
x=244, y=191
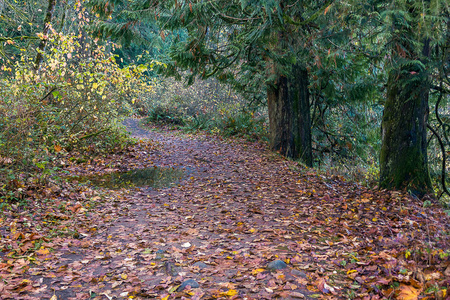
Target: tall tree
x=232, y=39
x=403, y=157
x=401, y=35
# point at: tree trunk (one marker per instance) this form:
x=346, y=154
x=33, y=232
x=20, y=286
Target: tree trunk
x=301, y=114
x=289, y=116
x=403, y=156
x=47, y=24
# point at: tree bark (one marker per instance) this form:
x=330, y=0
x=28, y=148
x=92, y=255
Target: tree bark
x=289, y=115
x=47, y=23
x=301, y=114
x=403, y=156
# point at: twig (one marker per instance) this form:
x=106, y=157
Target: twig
x=444, y=159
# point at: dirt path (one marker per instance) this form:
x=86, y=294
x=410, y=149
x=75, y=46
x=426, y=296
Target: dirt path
x=243, y=224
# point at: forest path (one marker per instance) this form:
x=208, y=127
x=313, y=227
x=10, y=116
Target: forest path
x=243, y=224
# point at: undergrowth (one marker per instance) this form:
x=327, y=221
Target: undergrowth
x=346, y=140
x=73, y=102
x=206, y=105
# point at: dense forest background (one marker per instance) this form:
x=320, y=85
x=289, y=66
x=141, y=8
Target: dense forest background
x=224, y=149
x=356, y=90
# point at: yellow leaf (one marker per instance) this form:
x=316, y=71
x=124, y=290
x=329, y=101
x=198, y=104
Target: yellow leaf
x=43, y=251
x=251, y=230
x=165, y=298
x=407, y=292
x=124, y=276
x=54, y=297
x=257, y=271
x=95, y=85
x=230, y=293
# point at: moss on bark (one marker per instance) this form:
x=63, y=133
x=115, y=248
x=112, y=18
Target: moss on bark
x=403, y=156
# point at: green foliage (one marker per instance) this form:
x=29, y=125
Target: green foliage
x=239, y=123
x=245, y=124
x=348, y=49
x=74, y=101
x=205, y=105
x=164, y=115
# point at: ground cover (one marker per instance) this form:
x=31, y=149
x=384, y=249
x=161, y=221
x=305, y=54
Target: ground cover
x=244, y=223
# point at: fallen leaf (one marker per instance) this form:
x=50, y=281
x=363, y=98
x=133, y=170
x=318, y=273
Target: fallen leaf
x=406, y=292
x=257, y=271
x=230, y=292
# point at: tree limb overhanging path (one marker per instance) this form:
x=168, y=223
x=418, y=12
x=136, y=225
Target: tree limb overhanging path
x=244, y=223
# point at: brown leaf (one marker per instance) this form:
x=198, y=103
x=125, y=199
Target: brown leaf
x=407, y=292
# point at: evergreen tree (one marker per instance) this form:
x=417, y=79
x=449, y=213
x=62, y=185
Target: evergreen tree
x=416, y=28
x=402, y=37
x=238, y=42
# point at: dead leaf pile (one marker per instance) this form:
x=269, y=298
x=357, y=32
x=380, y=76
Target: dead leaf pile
x=213, y=236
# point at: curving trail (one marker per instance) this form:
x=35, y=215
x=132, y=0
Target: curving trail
x=222, y=229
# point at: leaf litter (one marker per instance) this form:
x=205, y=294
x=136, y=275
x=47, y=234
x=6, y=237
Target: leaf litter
x=244, y=224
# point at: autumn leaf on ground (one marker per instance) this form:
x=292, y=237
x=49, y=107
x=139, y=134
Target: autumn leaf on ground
x=230, y=292
x=257, y=271
x=238, y=210
x=406, y=292
x=43, y=251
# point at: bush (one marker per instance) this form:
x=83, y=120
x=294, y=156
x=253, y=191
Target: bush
x=165, y=115
x=73, y=101
x=205, y=105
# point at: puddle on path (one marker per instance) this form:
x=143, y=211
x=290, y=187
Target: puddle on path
x=155, y=177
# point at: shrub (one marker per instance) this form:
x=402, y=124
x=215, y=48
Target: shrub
x=167, y=115
x=74, y=100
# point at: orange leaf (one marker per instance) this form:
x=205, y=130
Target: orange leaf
x=257, y=271
x=229, y=293
x=407, y=292
x=43, y=251
x=58, y=148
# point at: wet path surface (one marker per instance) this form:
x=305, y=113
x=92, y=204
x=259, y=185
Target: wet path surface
x=219, y=228
x=243, y=224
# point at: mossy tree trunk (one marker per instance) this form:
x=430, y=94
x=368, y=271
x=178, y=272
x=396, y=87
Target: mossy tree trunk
x=403, y=156
x=289, y=115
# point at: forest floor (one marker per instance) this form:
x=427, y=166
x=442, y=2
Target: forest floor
x=244, y=223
